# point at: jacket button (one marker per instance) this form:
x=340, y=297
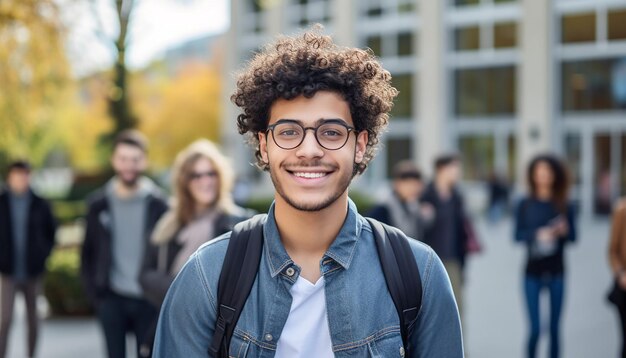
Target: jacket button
x=269, y=337
x=290, y=272
x=401, y=351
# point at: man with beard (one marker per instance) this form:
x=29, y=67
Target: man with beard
x=120, y=218
x=313, y=111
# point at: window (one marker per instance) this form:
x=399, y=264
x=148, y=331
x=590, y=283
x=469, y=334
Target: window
x=255, y=5
x=467, y=38
x=375, y=43
x=593, y=85
x=406, y=6
x=512, y=158
x=397, y=149
x=578, y=28
x=505, y=35
x=403, y=105
x=405, y=44
x=603, y=195
x=466, y=2
x=573, y=144
x=477, y=156
x=485, y=91
x=617, y=25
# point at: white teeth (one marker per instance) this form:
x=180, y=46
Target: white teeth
x=310, y=175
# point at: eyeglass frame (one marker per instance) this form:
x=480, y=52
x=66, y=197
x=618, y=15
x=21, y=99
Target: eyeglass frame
x=314, y=129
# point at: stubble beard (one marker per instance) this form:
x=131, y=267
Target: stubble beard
x=344, y=182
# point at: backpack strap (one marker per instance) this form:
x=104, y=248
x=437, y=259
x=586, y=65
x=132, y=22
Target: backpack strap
x=401, y=274
x=239, y=270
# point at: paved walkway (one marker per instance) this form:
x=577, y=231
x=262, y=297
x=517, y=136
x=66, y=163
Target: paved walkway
x=495, y=317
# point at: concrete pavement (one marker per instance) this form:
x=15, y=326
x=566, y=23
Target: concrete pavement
x=495, y=320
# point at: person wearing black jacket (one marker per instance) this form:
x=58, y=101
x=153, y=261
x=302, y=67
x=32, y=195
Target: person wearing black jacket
x=120, y=218
x=27, y=231
x=447, y=235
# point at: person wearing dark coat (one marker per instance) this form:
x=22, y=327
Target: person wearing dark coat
x=448, y=235
x=120, y=218
x=27, y=232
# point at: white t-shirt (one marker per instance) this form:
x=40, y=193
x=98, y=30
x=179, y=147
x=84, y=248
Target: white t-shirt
x=306, y=332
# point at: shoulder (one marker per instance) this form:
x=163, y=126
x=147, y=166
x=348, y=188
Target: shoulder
x=97, y=199
x=620, y=206
x=209, y=258
x=158, y=199
x=425, y=257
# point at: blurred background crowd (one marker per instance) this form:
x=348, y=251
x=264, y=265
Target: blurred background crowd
x=496, y=81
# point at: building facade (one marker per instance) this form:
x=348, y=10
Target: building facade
x=497, y=81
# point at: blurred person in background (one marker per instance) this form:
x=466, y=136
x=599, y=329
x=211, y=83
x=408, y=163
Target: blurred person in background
x=448, y=235
x=498, y=197
x=402, y=208
x=202, y=208
x=617, y=262
x=544, y=223
x=120, y=218
x=27, y=231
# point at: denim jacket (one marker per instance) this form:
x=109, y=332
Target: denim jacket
x=362, y=318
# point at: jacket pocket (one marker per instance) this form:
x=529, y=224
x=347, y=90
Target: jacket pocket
x=238, y=346
x=389, y=345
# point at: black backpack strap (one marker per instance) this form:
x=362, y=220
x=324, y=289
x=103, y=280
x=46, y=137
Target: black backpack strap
x=239, y=270
x=401, y=274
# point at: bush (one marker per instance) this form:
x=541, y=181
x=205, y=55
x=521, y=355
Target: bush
x=62, y=286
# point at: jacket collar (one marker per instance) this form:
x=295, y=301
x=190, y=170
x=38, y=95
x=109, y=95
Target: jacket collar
x=341, y=250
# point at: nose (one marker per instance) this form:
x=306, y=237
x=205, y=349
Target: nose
x=309, y=148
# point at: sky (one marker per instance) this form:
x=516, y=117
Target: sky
x=156, y=26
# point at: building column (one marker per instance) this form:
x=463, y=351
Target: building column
x=535, y=85
x=231, y=140
x=342, y=20
x=432, y=112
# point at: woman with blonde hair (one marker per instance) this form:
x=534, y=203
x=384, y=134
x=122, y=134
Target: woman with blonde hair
x=202, y=208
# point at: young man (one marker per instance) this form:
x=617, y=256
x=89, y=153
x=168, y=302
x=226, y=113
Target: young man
x=402, y=208
x=447, y=235
x=27, y=230
x=120, y=218
x=314, y=112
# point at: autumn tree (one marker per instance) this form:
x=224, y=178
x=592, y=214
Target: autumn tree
x=119, y=104
x=34, y=74
x=178, y=109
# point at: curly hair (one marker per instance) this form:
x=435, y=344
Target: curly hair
x=303, y=65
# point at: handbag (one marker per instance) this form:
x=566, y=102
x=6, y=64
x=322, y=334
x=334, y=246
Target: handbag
x=616, y=295
x=472, y=244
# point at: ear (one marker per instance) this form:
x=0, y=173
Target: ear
x=263, y=147
x=361, y=145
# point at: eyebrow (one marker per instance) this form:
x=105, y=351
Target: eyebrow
x=317, y=122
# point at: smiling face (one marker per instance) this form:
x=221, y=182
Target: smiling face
x=309, y=177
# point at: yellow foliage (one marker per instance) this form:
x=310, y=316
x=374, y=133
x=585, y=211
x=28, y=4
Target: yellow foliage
x=176, y=111
x=34, y=74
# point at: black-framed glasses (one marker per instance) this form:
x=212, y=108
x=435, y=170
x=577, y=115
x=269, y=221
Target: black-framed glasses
x=331, y=134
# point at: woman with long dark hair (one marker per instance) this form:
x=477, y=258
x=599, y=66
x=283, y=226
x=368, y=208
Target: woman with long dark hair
x=544, y=222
